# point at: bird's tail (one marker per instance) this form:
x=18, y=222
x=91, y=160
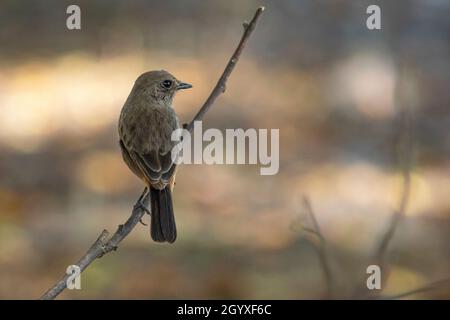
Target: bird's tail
x=162, y=228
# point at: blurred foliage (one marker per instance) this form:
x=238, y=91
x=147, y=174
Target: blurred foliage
x=311, y=69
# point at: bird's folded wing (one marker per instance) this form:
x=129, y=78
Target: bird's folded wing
x=154, y=166
x=129, y=161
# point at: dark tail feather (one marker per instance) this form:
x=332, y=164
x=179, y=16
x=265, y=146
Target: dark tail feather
x=162, y=228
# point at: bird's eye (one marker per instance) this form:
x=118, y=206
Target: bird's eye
x=167, y=84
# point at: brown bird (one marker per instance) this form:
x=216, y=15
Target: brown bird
x=146, y=124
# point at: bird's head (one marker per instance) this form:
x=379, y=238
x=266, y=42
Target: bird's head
x=159, y=85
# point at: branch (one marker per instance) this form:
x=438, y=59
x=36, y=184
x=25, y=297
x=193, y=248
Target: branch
x=321, y=248
x=405, y=155
x=405, y=159
x=406, y=168
x=101, y=246
x=430, y=287
x=221, y=84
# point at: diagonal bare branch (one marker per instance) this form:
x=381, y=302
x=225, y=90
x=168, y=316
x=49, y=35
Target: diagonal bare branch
x=101, y=246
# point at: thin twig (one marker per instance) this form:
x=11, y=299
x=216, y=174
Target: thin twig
x=321, y=248
x=406, y=168
x=100, y=246
x=405, y=159
x=221, y=84
x=405, y=155
x=429, y=287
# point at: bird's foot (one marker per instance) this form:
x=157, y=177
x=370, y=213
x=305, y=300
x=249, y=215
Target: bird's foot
x=140, y=205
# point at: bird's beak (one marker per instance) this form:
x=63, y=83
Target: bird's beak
x=183, y=85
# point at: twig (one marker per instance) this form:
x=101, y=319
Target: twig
x=405, y=160
x=321, y=248
x=221, y=84
x=406, y=168
x=405, y=155
x=429, y=287
x=101, y=246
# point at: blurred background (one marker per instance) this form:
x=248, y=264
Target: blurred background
x=337, y=91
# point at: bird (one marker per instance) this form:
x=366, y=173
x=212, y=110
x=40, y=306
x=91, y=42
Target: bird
x=145, y=126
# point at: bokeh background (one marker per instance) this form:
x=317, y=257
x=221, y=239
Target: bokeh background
x=337, y=91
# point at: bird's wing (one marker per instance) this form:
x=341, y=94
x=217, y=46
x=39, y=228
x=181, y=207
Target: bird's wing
x=155, y=167
x=150, y=147
x=129, y=161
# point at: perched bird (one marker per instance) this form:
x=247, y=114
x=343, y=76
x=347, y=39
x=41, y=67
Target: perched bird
x=146, y=124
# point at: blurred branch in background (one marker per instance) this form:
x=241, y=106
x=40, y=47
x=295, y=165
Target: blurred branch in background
x=101, y=246
x=321, y=247
x=430, y=287
x=405, y=159
x=404, y=151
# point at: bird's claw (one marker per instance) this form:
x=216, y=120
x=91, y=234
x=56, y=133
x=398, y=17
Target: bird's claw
x=142, y=222
x=142, y=206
